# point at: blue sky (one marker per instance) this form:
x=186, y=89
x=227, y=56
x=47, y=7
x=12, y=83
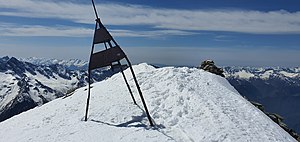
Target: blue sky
x=231, y=32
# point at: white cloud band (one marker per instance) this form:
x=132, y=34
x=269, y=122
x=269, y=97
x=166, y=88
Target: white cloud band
x=257, y=22
x=10, y=29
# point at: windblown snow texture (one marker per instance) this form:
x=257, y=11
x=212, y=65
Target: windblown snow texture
x=186, y=105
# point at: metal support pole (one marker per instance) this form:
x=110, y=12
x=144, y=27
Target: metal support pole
x=89, y=79
x=140, y=92
x=89, y=94
x=127, y=84
x=95, y=10
x=98, y=21
x=105, y=45
x=109, y=43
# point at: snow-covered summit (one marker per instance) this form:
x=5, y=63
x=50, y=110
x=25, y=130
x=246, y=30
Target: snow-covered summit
x=186, y=105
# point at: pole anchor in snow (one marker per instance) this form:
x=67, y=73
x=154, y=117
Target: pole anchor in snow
x=111, y=56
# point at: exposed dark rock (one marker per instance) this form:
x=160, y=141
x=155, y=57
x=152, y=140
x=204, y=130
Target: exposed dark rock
x=209, y=65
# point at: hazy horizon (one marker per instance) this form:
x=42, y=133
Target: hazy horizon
x=184, y=33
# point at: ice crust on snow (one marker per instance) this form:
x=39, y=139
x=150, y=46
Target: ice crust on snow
x=187, y=104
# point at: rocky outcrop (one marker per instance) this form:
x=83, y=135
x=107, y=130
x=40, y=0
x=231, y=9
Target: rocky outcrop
x=209, y=65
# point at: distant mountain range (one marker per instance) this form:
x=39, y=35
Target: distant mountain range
x=278, y=89
x=24, y=85
x=72, y=64
x=31, y=82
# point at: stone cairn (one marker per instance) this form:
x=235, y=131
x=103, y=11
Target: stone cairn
x=209, y=65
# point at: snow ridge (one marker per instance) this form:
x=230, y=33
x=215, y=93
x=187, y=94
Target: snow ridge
x=186, y=104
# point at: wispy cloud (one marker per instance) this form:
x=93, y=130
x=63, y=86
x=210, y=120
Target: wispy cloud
x=224, y=38
x=244, y=21
x=80, y=13
x=153, y=33
x=10, y=29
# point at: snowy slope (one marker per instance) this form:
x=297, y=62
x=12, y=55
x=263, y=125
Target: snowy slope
x=276, y=88
x=186, y=105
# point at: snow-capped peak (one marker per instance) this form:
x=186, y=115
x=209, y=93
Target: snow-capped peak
x=186, y=104
x=262, y=73
x=73, y=64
